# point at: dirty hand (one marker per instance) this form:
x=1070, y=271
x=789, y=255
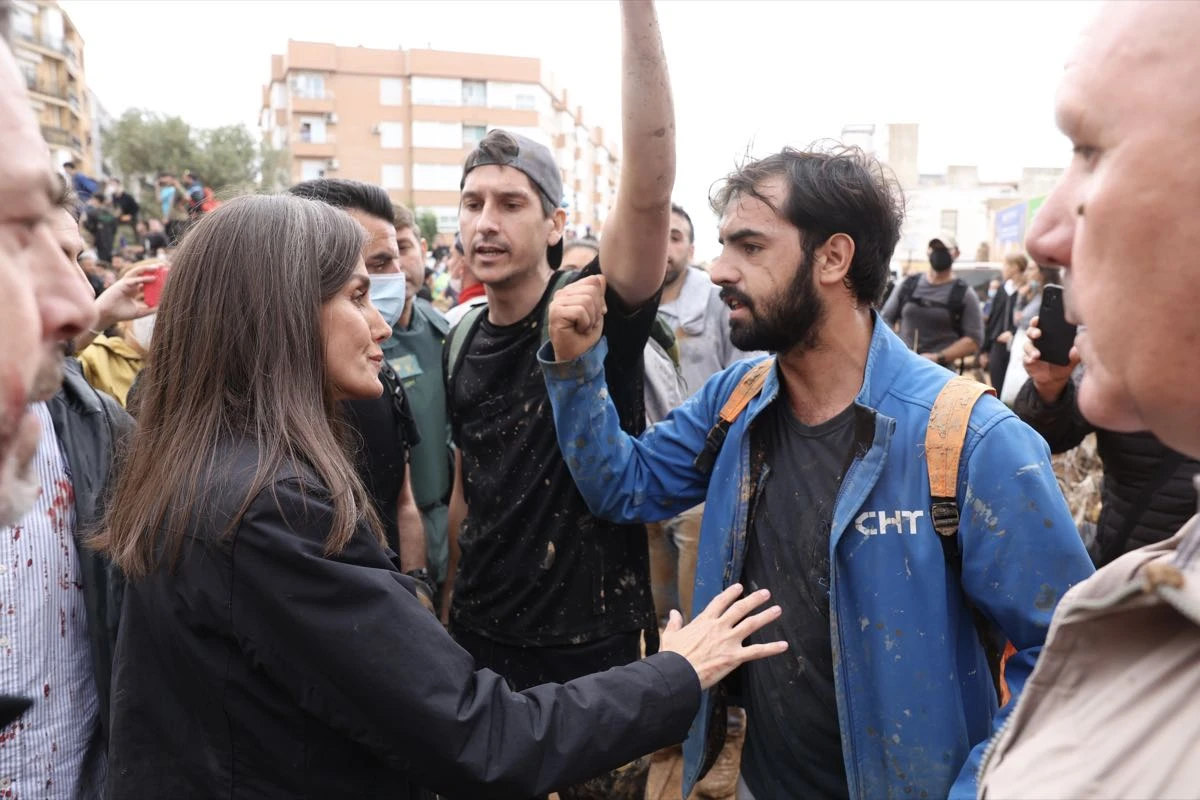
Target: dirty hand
x=123, y=300
x=712, y=642
x=1049, y=379
x=577, y=317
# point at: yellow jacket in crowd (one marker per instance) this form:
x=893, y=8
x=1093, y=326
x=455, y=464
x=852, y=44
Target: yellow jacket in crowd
x=110, y=364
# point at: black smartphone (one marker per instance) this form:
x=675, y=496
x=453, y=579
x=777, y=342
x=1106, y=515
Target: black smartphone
x=1058, y=335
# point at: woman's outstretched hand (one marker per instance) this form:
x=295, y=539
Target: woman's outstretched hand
x=712, y=642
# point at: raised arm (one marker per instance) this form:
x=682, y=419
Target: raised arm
x=633, y=249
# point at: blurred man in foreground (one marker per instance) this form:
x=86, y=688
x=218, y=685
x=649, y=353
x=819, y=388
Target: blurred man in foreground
x=1112, y=706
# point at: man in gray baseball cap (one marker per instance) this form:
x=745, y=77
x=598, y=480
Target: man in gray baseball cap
x=501, y=148
x=544, y=590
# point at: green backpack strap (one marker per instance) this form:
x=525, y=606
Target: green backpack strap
x=460, y=335
x=661, y=332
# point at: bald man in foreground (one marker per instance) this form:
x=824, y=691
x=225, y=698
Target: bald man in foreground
x=1113, y=707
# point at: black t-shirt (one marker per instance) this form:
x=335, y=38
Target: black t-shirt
x=382, y=431
x=536, y=568
x=793, y=740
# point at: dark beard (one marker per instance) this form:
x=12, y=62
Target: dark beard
x=672, y=277
x=792, y=321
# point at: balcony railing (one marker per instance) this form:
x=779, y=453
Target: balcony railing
x=48, y=88
x=61, y=137
x=308, y=137
x=309, y=93
x=57, y=45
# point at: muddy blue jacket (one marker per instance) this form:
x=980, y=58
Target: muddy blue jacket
x=915, y=696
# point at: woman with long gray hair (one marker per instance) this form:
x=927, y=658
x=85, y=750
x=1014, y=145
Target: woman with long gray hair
x=269, y=645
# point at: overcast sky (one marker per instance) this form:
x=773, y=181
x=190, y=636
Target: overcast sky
x=978, y=76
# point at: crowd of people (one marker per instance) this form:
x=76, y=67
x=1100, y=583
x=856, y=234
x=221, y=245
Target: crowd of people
x=292, y=507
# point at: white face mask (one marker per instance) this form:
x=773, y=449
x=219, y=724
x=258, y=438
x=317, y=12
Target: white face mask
x=143, y=329
x=387, y=295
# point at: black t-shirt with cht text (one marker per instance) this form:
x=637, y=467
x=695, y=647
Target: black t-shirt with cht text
x=537, y=568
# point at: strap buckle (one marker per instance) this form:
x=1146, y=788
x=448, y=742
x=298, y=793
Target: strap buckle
x=712, y=446
x=944, y=514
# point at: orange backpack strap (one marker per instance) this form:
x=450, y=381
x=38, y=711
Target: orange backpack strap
x=948, y=422
x=944, y=439
x=747, y=389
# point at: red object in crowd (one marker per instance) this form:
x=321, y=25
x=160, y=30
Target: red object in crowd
x=470, y=293
x=152, y=292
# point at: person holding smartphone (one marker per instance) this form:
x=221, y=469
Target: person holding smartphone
x=1028, y=303
x=269, y=645
x=1148, y=491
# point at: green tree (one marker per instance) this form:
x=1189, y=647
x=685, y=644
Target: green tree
x=141, y=144
x=273, y=174
x=427, y=222
x=145, y=143
x=227, y=159
x=230, y=159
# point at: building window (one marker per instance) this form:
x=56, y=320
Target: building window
x=308, y=85
x=311, y=169
x=29, y=70
x=436, y=177
x=521, y=96
x=436, y=91
x=447, y=218
x=474, y=93
x=22, y=24
x=950, y=222
x=437, y=134
x=312, y=130
x=391, y=134
x=392, y=176
x=391, y=91
x=52, y=27
x=473, y=135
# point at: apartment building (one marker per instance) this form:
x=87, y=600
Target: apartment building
x=406, y=119
x=49, y=51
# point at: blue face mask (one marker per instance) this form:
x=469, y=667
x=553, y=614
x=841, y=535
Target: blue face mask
x=387, y=295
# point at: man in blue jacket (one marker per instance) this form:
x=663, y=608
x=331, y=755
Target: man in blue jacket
x=820, y=492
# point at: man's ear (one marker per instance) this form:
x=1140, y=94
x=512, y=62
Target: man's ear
x=833, y=258
x=559, y=218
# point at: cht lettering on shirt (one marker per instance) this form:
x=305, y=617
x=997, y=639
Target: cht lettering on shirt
x=874, y=523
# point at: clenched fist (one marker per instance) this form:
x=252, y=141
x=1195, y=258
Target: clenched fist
x=577, y=317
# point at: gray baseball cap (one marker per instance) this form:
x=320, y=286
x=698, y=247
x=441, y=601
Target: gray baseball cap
x=506, y=149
